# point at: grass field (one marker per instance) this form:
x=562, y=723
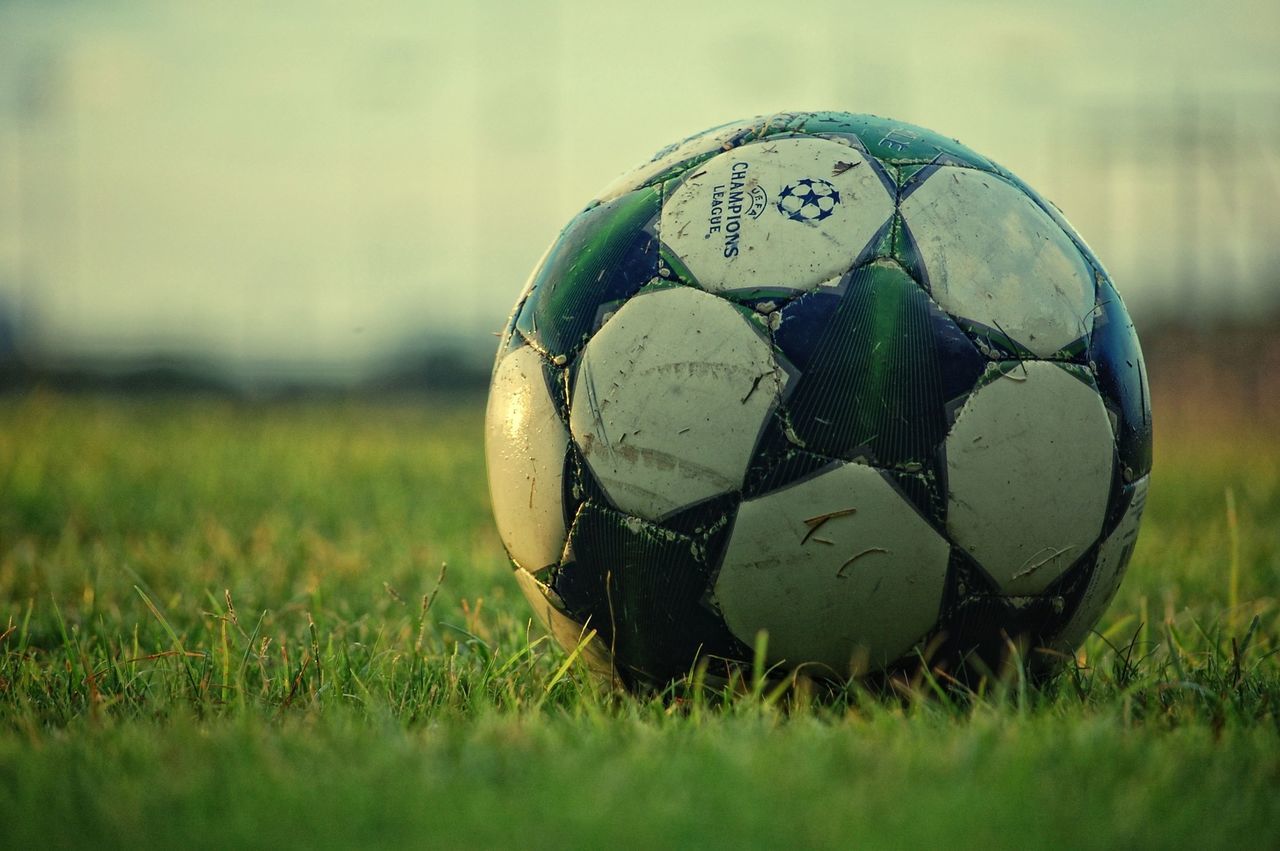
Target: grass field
x=224, y=625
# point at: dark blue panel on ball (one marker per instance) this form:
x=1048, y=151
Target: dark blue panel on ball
x=804, y=323
x=1122, y=380
x=643, y=588
x=703, y=518
x=923, y=490
x=966, y=578
x=781, y=464
x=975, y=637
x=583, y=486
x=605, y=255
x=979, y=624
x=1122, y=496
x=879, y=371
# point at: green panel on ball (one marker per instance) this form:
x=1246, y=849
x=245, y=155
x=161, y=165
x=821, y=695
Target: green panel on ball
x=671, y=267
x=894, y=142
x=877, y=369
x=605, y=255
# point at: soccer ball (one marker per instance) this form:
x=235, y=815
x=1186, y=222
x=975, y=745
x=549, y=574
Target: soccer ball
x=825, y=384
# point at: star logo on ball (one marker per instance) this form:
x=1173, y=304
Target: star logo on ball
x=810, y=199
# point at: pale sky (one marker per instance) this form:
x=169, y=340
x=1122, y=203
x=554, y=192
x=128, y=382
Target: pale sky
x=310, y=183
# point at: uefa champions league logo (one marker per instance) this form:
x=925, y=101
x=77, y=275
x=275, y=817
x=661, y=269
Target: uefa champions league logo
x=810, y=199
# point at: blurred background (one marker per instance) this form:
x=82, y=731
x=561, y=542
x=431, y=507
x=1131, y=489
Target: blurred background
x=258, y=199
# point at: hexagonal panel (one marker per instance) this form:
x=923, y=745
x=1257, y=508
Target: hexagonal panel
x=1029, y=464
x=991, y=255
x=839, y=569
x=525, y=445
x=781, y=212
x=1113, y=558
x=669, y=398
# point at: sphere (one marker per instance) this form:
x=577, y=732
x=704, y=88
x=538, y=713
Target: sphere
x=823, y=386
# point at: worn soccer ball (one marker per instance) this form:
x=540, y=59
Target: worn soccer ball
x=826, y=384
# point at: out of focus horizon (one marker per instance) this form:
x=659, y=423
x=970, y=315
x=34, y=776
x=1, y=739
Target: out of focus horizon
x=317, y=192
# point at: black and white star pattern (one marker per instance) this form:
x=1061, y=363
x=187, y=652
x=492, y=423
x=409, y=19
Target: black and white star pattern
x=810, y=199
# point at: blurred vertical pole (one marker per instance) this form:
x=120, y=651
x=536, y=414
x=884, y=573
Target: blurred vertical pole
x=477, y=36
x=10, y=174
x=1187, y=179
x=1104, y=152
x=1228, y=164
x=1138, y=171
x=35, y=102
x=560, y=103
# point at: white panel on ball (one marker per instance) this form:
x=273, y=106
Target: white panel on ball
x=839, y=569
x=525, y=449
x=1113, y=555
x=669, y=399
x=993, y=256
x=1029, y=463
x=781, y=212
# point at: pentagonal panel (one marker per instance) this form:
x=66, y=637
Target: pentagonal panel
x=780, y=212
x=991, y=255
x=1113, y=558
x=669, y=398
x=839, y=569
x=567, y=632
x=525, y=445
x=1029, y=464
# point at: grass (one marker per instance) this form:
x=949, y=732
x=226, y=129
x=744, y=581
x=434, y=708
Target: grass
x=225, y=624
